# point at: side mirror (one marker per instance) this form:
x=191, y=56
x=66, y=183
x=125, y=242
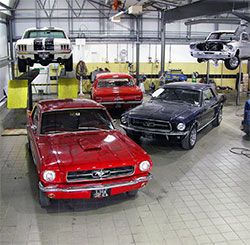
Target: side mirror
x=34, y=127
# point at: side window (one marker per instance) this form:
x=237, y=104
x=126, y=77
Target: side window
x=245, y=37
x=207, y=94
x=35, y=116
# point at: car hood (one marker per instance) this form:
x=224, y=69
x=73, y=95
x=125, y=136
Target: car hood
x=163, y=110
x=117, y=91
x=89, y=150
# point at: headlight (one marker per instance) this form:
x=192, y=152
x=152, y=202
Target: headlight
x=144, y=166
x=123, y=120
x=229, y=46
x=49, y=175
x=181, y=126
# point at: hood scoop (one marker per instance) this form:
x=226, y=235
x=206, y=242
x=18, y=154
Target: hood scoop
x=87, y=145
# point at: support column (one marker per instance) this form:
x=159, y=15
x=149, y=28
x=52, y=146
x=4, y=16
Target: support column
x=163, y=38
x=11, y=49
x=248, y=72
x=137, y=49
x=238, y=85
x=208, y=70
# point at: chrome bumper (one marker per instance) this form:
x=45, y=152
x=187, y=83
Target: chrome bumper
x=94, y=187
x=120, y=102
x=158, y=132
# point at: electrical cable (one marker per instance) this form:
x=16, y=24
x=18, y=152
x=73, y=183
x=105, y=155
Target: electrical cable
x=240, y=151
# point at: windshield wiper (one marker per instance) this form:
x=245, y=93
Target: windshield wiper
x=92, y=128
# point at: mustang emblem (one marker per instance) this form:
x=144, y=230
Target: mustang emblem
x=101, y=173
x=149, y=124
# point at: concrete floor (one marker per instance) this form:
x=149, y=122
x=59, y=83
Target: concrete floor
x=200, y=196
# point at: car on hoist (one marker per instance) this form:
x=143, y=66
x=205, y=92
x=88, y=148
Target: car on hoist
x=79, y=154
x=229, y=46
x=176, y=111
x=116, y=90
x=44, y=46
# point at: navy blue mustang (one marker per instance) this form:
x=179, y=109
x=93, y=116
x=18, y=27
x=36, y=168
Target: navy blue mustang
x=177, y=110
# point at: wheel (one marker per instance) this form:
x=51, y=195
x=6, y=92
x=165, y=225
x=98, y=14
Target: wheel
x=22, y=65
x=132, y=193
x=190, y=140
x=233, y=63
x=28, y=144
x=216, y=122
x=199, y=60
x=134, y=137
x=69, y=64
x=43, y=199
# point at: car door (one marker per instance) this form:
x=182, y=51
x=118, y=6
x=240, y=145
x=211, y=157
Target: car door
x=209, y=104
x=33, y=135
x=244, y=45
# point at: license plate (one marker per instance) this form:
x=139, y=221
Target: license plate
x=100, y=193
x=43, y=55
x=149, y=136
x=118, y=106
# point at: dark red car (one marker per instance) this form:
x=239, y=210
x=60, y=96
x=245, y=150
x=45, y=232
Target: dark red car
x=79, y=154
x=116, y=90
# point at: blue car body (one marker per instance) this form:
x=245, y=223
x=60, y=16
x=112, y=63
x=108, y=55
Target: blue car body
x=175, y=119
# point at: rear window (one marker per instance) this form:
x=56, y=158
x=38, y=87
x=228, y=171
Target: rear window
x=45, y=34
x=115, y=82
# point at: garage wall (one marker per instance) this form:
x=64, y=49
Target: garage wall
x=4, y=67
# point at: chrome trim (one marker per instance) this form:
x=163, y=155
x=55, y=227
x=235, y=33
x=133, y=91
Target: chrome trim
x=153, y=131
x=120, y=102
x=206, y=124
x=94, y=186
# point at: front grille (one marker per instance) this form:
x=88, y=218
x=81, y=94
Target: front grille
x=49, y=44
x=38, y=44
x=99, y=174
x=150, y=124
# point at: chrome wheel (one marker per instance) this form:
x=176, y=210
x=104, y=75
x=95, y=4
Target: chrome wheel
x=193, y=137
x=219, y=116
x=234, y=62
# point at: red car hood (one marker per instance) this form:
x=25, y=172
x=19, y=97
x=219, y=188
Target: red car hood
x=90, y=150
x=117, y=91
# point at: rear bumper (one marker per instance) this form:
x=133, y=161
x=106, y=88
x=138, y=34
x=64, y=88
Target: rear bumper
x=64, y=191
x=129, y=102
x=212, y=55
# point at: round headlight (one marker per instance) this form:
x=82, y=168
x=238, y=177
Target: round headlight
x=144, y=166
x=181, y=126
x=49, y=175
x=123, y=120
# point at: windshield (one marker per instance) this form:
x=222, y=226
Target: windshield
x=177, y=95
x=222, y=36
x=44, y=34
x=115, y=82
x=75, y=120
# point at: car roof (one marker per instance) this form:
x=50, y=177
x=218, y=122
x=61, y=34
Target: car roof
x=224, y=31
x=111, y=75
x=62, y=104
x=44, y=29
x=187, y=85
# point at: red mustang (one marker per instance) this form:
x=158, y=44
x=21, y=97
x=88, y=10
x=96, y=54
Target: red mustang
x=116, y=90
x=79, y=154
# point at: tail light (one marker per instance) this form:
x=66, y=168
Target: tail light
x=22, y=47
x=138, y=97
x=64, y=47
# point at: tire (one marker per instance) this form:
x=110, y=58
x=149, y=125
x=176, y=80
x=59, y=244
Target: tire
x=132, y=193
x=233, y=63
x=69, y=64
x=22, y=65
x=189, y=141
x=44, y=200
x=199, y=60
x=135, y=137
x=28, y=145
x=216, y=122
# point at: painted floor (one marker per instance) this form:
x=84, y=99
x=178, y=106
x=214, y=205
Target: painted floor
x=201, y=196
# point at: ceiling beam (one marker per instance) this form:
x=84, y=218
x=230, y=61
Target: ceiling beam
x=204, y=7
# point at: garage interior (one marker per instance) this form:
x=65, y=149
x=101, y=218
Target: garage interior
x=200, y=196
